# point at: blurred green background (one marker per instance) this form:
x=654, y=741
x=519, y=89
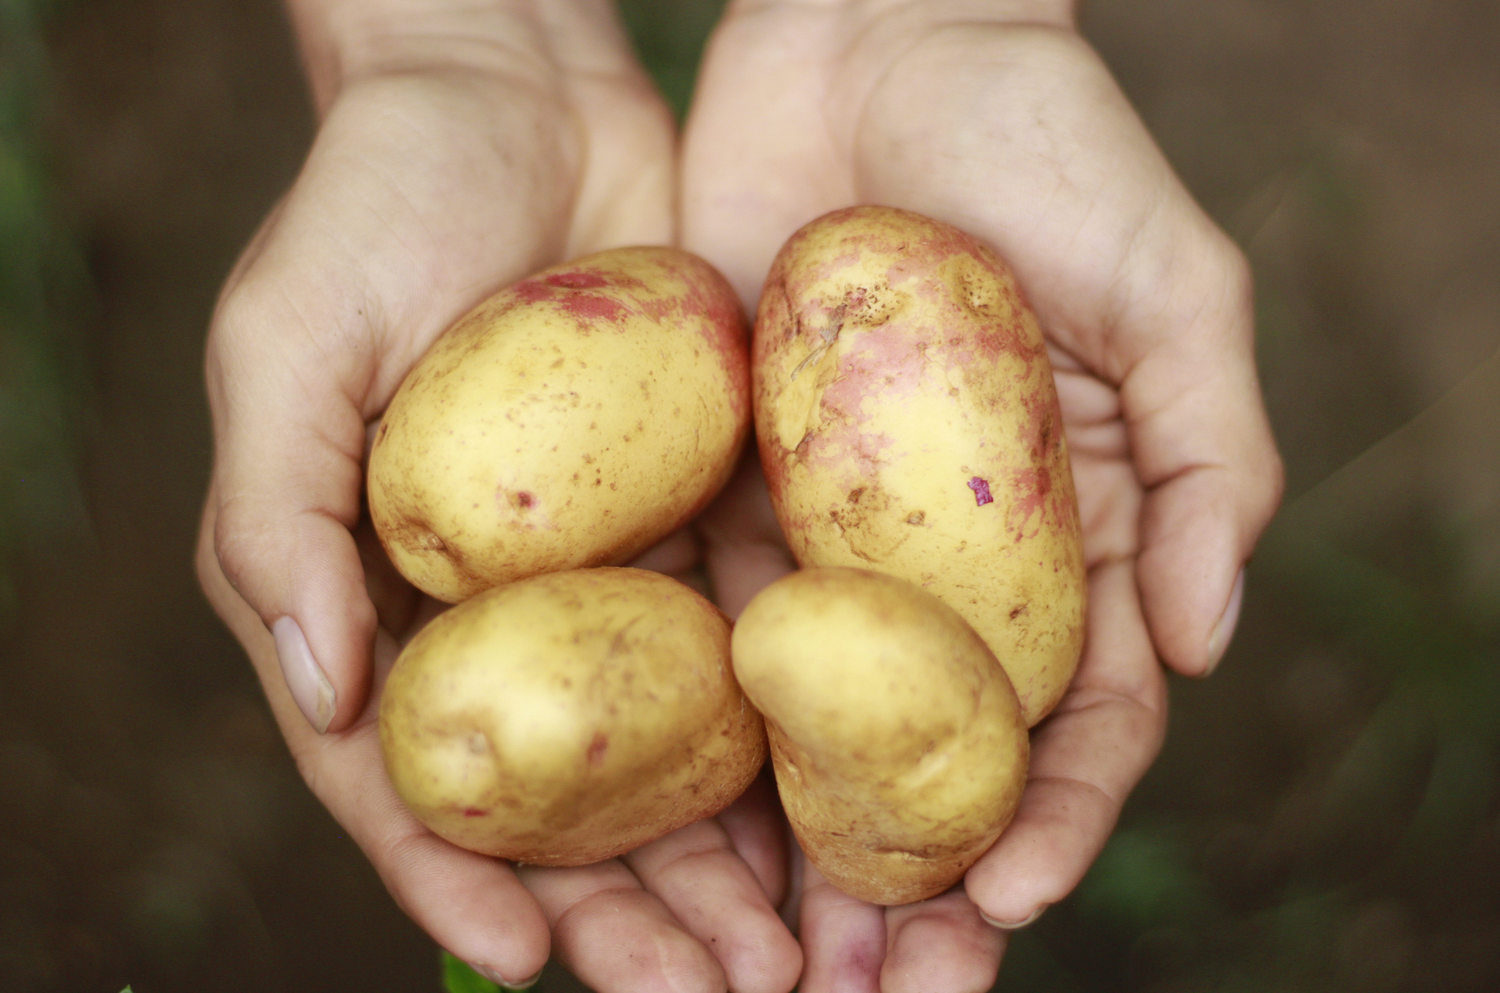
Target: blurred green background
x=1324, y=816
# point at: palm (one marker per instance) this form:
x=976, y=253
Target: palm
x=425, y=191
x=921, y=136
x=1017, y=134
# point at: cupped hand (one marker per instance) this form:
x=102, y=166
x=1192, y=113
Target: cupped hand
x=460, y=147
x=994, y=115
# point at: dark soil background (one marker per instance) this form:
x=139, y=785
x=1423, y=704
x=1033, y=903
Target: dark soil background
x=1325, y=815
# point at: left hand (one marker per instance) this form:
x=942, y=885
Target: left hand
x=462, y=145
x=995, y=116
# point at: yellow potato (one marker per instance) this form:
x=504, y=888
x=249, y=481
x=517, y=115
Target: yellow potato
x=570, y=717
x=573, y=419
x=898, y=743
x=908, y=422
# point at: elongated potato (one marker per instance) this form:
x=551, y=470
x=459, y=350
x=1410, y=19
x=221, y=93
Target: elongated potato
x=908, y=423
x=898, y=742
x=573, y=419
x=569, y=717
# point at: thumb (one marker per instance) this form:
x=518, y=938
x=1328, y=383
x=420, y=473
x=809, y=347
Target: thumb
x=1203, y=450
x=289, y=442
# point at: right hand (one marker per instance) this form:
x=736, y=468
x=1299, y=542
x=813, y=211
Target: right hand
x=460, y=147
x=997, y=117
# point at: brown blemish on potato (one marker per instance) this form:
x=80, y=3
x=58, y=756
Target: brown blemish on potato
x=577, y=280
x=596, y=750
x=1031, y=488
x=566, y=291
x=858, y=523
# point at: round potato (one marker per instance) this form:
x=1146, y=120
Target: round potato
x=573, y=419
x=908, y=423
x=569, y=717
x=898, y=742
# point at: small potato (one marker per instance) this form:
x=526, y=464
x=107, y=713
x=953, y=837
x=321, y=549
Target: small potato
x=573, y=419
x=569, y=717
x=898, y=743
x=908, y=423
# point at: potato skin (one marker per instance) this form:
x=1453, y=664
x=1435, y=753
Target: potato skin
x=573, y=419
x=908, y=422
x=570, y=717
x=898, y=742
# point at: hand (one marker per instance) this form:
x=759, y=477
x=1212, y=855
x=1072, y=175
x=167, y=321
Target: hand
x=995, y=116
x=461, y=146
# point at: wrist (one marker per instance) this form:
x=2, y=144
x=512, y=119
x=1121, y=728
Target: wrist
x=342, y=41
x=1056, y=13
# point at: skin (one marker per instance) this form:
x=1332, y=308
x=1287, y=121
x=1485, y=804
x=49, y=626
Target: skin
x=898, y=742
x=908, y=423
x=461, y=147
x=1010, y=129
x=996, y=117
x=570, y=717
x=573, y=419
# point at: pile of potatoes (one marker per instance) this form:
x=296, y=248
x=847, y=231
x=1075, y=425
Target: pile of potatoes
x=567, y=710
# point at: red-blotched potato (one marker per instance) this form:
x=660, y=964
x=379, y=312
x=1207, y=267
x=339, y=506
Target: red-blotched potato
x=570, y=717
x=573, y=419
x=898, y=743
x=908, y=423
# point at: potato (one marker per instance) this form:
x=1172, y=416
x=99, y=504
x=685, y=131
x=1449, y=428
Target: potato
x=569, y=717
x=571, y=420
x=898, y=742
x=908, y=423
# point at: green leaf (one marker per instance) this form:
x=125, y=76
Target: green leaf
x=458, y=977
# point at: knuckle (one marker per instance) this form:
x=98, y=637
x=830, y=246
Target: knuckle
x=205, y=557
x=235, y=541
x=1236, y=276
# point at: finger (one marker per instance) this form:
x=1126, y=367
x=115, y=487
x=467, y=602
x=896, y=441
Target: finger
x=1203, y=448
x=1085, y=759
x=470, y=904
x=701, y=878
x=940, y=945
x=759, y=833
x=843, y=939
x=289, y=443
x=677, y=553
x=1198, y=434
x=287, y=478
x=617, y=938
x=743, y=546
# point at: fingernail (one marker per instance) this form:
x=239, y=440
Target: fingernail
x=1013, y=925
x=304, y=677
x=495, y=978
x=1218, y=642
